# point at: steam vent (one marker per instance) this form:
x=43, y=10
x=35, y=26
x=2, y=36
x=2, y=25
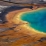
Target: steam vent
x=22, y=22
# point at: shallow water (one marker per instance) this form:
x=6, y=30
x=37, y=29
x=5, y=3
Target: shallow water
x=36, y=19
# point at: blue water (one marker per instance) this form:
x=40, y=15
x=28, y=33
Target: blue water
x=36, y=19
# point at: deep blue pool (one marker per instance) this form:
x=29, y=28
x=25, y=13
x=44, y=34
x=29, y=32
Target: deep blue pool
x=36, y=19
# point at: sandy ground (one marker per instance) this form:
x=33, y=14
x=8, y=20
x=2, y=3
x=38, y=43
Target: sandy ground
x=17, y=34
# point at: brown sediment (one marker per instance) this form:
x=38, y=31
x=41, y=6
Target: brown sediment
x=19, y=35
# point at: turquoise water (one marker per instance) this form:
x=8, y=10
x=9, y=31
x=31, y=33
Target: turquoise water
x=36, y=19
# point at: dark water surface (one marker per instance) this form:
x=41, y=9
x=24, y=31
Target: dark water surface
x=36, y=19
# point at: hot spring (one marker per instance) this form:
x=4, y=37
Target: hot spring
x=36, y=19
